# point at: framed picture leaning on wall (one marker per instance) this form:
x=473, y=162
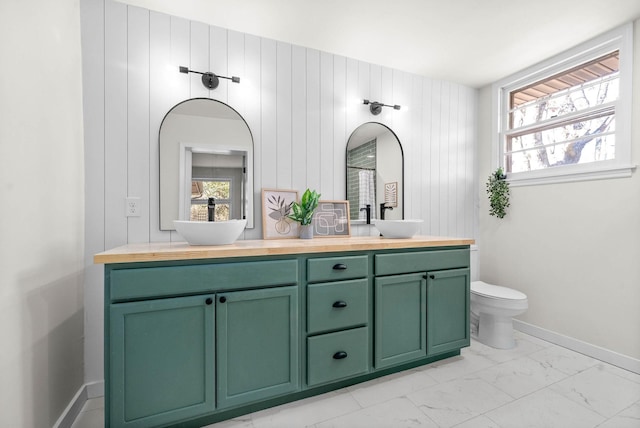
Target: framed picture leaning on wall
x=331, y=219
x=276, y=207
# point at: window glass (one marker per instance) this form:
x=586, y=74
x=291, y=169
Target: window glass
x=568, y=118
x=201, y=191
x=565, y=119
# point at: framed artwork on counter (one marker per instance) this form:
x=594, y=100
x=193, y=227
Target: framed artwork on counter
x=331, y=219
x=276, y=207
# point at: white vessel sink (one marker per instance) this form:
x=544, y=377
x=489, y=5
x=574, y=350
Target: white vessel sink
x=210, y=232
x=398, y=228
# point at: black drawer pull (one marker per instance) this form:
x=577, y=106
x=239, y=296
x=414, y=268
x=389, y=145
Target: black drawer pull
x=430, y=276
x=340, y=266
x=223, y=299
x=209, y=301
x=340, y=355
x=340, y=304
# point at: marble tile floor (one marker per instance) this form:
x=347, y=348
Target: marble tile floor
x=537, y=384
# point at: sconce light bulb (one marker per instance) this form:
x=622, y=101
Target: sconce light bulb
x=235, y=79
x=396, y=107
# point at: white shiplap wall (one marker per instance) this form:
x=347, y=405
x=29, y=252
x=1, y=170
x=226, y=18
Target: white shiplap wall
x=301, y=106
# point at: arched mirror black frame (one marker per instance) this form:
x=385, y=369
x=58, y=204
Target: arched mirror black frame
x=370, y=133
x=220, y=131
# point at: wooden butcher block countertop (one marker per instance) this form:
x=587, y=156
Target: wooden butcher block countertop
x=165, y=251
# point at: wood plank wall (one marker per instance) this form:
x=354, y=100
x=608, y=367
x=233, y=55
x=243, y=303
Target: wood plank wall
x=301, y=106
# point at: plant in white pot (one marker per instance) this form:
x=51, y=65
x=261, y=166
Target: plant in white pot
x=303, y=212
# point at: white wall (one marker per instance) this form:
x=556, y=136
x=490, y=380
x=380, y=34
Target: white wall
x=572, y=248
x=301, y=106
x=41, y=214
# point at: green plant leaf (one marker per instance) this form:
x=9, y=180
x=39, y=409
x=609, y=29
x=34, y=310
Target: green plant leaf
x=498, y=191
x=303, y=211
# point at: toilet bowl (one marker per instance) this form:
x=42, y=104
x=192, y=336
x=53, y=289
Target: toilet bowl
x=493, y=307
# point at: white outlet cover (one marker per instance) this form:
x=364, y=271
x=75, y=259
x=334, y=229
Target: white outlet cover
x=132, y=207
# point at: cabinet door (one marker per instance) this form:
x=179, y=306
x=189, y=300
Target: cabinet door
x=161, y=361
x=257, y=342
x=447, y=310
x=400, y=319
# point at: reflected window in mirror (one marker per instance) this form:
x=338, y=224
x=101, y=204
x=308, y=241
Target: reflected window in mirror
x=375, y=163
x=219, y=190
x=220, y=177
x=205, y=141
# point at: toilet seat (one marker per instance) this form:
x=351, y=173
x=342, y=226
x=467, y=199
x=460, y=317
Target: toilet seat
x=496, y=292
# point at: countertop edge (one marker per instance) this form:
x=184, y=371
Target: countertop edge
x=175, y=251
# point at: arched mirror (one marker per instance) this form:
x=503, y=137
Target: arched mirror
x=375, y=171
x=206, y=151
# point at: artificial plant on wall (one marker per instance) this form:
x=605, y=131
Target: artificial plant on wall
x=498, y=191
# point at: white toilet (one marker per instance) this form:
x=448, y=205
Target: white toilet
x=492, y=308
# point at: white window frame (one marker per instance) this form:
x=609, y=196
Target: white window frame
x=620, y=39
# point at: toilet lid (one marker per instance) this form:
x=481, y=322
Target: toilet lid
x=496, y=291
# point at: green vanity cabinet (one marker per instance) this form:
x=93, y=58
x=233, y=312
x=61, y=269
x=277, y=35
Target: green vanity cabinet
x=338, y=315
x=400, y=319
x=191, y=341
x=447, y=310
x=421, y=304
x=161, y=361
x=257, y=343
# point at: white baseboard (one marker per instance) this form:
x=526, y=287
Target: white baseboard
x=95, y=389
x=86, y=392
x=585, y=348
x=73, y=409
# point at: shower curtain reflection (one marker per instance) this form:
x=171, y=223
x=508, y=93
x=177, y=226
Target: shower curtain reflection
x=367, y=193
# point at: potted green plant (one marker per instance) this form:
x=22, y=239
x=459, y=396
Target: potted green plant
x=303, y=212
x=498, y=191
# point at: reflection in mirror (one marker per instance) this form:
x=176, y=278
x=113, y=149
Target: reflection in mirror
x=220, y=177
x=375, y=169
x=206, y=151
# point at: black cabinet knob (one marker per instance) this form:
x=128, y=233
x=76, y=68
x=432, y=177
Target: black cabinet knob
x=340, y=266
x=223, y=299
x=340, y=304
x=209, y=301
x=340, y=355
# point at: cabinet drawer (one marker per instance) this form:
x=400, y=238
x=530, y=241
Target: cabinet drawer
x=337, y=268
x=175, y=280
x=336, y=305
x=338, y=355
x=421, y=261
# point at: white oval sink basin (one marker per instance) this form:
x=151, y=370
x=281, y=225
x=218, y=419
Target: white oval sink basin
x=398, y=228
x=210, y=232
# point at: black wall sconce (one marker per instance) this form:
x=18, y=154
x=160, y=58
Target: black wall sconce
x=375, y=107
x=209, y=80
